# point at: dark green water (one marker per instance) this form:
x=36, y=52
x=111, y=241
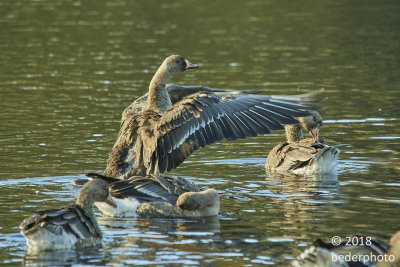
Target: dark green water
x=69, y=68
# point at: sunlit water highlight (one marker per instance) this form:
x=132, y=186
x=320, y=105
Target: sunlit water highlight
x=70, y=68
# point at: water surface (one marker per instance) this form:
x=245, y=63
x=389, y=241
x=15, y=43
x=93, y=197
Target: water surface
x=69, y=68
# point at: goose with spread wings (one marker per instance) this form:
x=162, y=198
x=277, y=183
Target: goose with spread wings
x=162, y=128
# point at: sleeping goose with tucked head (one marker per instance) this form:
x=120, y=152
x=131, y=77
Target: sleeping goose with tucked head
x=156, y=196
x=160, y=129
x=75, y=226
x=305, y=156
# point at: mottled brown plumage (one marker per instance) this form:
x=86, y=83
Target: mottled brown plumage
x=188, y=205
x=301, y=155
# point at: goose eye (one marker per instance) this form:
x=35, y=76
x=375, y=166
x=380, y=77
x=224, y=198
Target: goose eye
x=183, y=65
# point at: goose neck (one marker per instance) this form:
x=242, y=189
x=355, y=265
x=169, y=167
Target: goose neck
x=159, y=99
x=293, y=132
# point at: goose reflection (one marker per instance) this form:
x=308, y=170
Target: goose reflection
x=156, y=240
x=64, y=257
x=301, y=200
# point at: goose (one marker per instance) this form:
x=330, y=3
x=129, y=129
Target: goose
x=156, y=196
x=75, y=226
x=370, y=252
x=160, y=129
x=303, y=156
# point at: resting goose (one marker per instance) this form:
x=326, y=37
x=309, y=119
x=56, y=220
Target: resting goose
x=369, y=252
x=75, y=226
x=162, y=128
x=156, y=196
x=305, y=156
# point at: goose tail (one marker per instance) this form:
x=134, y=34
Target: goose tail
x=325, y=161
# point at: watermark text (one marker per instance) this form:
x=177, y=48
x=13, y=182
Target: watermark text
x=363, y=258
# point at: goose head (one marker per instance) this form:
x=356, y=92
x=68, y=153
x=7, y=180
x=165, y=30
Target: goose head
x=311, y=124
x=95, y=190
x=175, y=64
x=159, y=99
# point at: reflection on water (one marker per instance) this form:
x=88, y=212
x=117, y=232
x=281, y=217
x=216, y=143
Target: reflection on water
x=67, y=257
x=132, y=240
x=70, y=68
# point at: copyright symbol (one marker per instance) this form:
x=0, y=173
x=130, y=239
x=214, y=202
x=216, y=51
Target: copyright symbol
x=336, y=240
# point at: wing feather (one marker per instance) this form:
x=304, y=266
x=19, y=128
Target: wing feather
x=152, y=188
x=71, y=220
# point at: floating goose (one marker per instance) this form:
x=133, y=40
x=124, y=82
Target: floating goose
x=299, y=155
x=75, y=226
x=366, y=252
x=159, y=130
x=156, y=196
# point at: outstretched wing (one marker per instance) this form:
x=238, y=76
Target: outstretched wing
x=206, y=117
